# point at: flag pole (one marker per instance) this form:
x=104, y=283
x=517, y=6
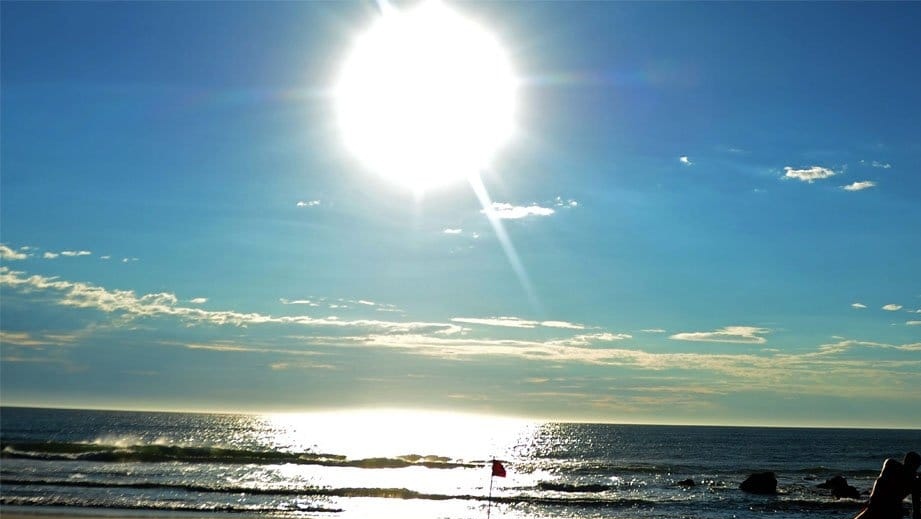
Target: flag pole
x=489, y=501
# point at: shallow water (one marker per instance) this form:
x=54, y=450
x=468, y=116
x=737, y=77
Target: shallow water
x=424, y=465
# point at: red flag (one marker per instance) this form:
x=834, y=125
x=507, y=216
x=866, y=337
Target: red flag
x=498, y=469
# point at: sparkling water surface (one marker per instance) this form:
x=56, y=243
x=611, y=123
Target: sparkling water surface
x=386, y=464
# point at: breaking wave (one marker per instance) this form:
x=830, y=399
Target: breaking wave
x=154, y=453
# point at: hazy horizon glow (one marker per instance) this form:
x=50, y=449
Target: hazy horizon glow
x=696, y=222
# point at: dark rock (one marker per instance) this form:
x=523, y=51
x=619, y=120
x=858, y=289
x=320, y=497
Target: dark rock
x=760, y=483
x=839, y=488
x=686, y=483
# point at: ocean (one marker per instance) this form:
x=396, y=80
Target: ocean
x=400, y=464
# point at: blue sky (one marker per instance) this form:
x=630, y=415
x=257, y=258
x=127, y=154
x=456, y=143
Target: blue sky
x=717, y=207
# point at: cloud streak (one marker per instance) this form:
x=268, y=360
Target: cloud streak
x=809, y=175
x=508, y=211
x=515, y=322
x=127, y=304
x=859, y=186
x=731, y=334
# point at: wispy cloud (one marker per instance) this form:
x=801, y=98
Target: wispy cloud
x=10, y=254
x=28, y=339
x=859, y=186
x=733, y=334
x=810, y=174
x=515, y=322
x=308, y=203
x=685, y=160
x=567, y=203
x=452, y=231
x=307, y=302
x=129, y=305
x=858, y=306
x=66, y=254
x=892, y=307
x=515, y=212
x=880, y=165
x=198, y=300
x=308, y=366
x=653, y=330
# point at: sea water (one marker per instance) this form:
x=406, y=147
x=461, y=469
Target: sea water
x=392, y=464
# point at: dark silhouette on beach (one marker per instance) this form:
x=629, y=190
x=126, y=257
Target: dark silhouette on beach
x=895, y=482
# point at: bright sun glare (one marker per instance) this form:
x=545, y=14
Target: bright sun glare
x=426, y=97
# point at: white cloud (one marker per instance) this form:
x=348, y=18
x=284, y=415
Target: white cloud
x=653, y=330
x=515, y=322
x=308, y=203
x=858, y=306
x=685, y=160
x=50, y=255
x=453, y=231
x=810, y=174
x=298, y=302
x=892, y=307
x=366, y=303
x=859, y=186
x=127, y=260
x=505, y=322
x=588, y=339
x=164, y=304
x=562, y=324
x=568, y=203
x=733, y=334
x=9, y=254
x=27, y=339
x=105, y=257
x=75, y=253
x=198, y=300
x=913, y=323
x=514, y=212
x=881, y=165
x=283, y=366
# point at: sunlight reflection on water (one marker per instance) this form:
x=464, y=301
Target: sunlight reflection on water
x=391, y=433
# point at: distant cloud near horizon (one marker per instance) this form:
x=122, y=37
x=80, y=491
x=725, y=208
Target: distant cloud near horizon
x=859, y=186
x=858, y=305
x=452, y=231
x=308, y=203
x=892, y=307
x=508, y=211
x=733, y=334
x=810, y=174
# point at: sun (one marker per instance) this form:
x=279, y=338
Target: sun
x=426, y=97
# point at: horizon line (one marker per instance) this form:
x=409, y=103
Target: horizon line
x=421, y=410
